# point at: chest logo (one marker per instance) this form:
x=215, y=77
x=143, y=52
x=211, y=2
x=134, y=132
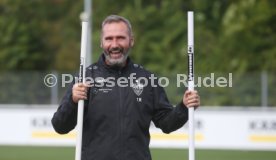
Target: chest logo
x=138, y=88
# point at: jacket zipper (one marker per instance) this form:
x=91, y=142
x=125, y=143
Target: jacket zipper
x=121, y=117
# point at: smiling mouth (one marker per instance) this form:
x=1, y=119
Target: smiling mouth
x=116, y=53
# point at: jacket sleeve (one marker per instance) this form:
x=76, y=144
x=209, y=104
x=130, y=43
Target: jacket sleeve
x=167, y=117
x=65, y=118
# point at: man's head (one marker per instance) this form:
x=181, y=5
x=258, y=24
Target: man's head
x=116, y=40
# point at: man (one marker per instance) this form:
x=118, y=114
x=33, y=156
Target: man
x=117, y=119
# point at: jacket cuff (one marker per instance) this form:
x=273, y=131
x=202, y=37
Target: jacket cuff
x=182, y=109
x=71, y=104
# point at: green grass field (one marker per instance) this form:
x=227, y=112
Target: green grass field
x=67, y=153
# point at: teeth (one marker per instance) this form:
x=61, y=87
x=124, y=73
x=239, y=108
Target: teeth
x=115, y=52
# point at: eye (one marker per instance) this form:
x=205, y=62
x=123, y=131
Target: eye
x=108, y=38
x=121, y=37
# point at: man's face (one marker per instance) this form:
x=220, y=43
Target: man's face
x=116, y=42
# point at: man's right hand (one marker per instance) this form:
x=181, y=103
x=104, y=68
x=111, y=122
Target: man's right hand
x=79, y=92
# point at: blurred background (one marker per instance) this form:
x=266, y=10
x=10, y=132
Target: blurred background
x=40, y=37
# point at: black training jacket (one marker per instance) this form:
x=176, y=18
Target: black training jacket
x=117, y=119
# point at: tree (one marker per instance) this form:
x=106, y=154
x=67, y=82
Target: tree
x=23, y=43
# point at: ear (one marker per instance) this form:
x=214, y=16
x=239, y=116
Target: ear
x=101, y=45
x=101, y=39
x=132, y=41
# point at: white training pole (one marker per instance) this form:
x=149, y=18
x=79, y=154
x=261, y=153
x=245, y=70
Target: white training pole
x=87, y=10
x=84, y=34
x=191, y=82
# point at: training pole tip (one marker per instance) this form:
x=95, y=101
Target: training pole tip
x=84, y=17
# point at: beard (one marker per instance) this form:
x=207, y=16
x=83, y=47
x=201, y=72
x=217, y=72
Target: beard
x=116, y=57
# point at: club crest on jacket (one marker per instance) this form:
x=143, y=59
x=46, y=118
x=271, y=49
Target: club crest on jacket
x=138, y=88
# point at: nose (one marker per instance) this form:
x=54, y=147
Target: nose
x=114, y=43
